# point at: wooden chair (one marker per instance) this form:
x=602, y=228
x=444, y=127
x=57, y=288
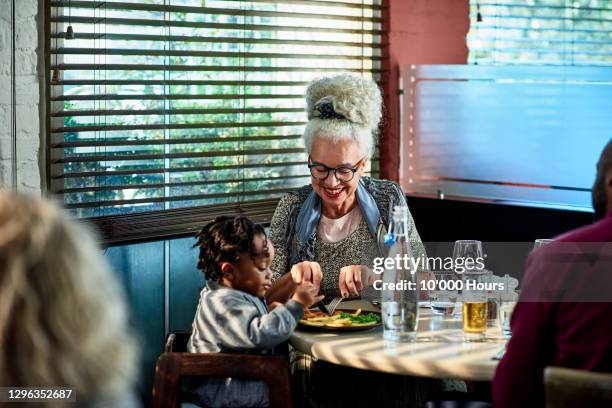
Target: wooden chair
x=567, y=388
x=176, y=362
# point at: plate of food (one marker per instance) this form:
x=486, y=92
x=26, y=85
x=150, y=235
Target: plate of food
x=341, y=320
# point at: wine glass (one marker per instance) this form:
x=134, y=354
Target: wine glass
x=467, y=249
x=539, y=243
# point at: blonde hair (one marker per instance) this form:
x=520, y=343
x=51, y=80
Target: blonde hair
x=356, y=110
x=63, y=319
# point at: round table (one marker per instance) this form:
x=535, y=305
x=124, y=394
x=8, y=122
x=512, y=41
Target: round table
x=439, y=351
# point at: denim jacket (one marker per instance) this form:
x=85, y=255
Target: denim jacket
x=294, y=224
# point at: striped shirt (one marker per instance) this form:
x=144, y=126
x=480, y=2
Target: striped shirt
x=229, y=320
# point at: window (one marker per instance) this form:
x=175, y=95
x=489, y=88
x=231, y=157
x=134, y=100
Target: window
x=519, y=135
x=540, y=32
x=524, y=121
x=177, y=105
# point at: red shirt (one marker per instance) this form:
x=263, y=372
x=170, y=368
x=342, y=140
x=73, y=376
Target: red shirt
x=575, y=334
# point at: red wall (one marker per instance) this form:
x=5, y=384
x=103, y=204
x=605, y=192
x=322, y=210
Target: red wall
x=416, y=32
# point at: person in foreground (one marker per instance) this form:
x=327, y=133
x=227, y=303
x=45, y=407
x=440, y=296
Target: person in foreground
x=575, y=332
x=232, y=315
x=63, y=320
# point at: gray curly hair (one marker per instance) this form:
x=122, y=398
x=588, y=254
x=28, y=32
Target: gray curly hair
x=343, y=107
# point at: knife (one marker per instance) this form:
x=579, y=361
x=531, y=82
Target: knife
x=322, y=307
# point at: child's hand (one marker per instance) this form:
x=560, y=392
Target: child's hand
x=306, y=294
x=274, y=305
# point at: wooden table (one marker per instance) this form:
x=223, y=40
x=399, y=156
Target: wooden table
x=439, y=351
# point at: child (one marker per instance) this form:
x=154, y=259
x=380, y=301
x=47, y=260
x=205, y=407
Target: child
x=232, y=316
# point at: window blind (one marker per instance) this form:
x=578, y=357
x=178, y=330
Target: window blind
x=160, y=105
x=519, y=135
x=542, y=32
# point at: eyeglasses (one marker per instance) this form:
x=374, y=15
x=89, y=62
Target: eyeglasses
x=343, y=173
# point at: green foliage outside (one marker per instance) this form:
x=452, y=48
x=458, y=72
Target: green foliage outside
x=199, y=178
x=541, y=32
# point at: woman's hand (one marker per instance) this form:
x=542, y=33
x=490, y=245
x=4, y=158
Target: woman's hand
x=306, y=294
x=307, y=271
x=354, y=278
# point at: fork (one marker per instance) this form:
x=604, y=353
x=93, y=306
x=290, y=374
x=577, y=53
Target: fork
x=331, y=307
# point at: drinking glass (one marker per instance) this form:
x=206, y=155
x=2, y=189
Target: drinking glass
x=475, y=305
x=505, y=309
x=474, y=320
x=443, y=292
x=467, y=249
x=539, y=243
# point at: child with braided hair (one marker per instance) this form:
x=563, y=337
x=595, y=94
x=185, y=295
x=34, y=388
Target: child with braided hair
x=232, y=315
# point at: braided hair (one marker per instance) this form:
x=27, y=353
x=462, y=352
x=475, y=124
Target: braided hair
x=223, y=240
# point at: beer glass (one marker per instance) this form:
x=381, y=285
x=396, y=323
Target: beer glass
x=475, y=307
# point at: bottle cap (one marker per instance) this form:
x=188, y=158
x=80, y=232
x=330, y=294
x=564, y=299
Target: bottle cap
x=390, y=239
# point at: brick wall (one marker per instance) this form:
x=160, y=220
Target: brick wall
x=420, y=32
x=29, y=78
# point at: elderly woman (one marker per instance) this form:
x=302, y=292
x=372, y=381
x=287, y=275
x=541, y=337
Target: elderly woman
x=340, y=219
x=333, y=229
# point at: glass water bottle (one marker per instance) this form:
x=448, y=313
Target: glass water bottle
x=400, y=296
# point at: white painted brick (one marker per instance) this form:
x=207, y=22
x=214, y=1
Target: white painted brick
x=5, y=39
x=28, y=175
x=27, y=89
x=28, y=139
x=28, y=121
x=26, y=11
x=5, y=89
x=5, y=11
x=5, y=119
x=27, y=148
x=5, y=146
x=5, y=142
x=5, y=49
x=5, y=173
x=27, y=62
x=28, y=83
x=32, y=190
x=25, y=38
